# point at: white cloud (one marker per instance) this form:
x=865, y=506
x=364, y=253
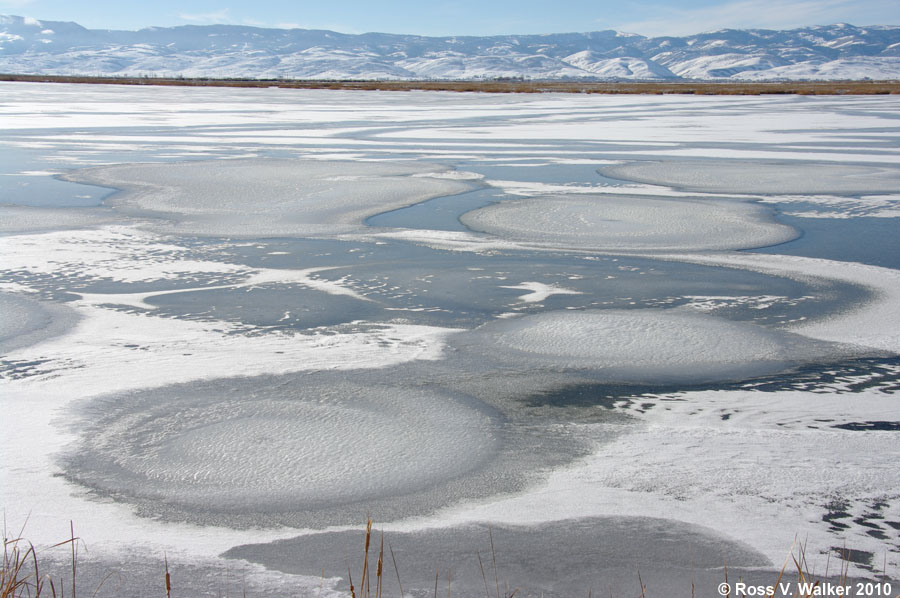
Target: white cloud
x=755, y=14
x=219, y=16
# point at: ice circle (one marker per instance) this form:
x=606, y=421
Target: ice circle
x=232, y=447
x=631, y=223
x=641, y=345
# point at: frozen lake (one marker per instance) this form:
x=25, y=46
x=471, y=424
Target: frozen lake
x=615, y=333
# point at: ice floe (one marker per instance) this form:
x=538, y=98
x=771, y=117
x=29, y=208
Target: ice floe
x=636, y=223
x=268, y=198
x=641, y=345
x=761, y=176
x=25, y=219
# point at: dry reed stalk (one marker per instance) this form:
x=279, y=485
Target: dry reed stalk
x=363, y=585
x=396, y=570
x=168, y=577
x=486, y=592
x=378, y=570
x=494, y=560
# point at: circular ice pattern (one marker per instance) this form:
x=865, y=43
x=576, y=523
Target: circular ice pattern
x=619, y=223
x=231, y=446
x=646, y=345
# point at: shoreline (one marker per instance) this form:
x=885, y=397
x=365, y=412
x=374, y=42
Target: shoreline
x=500, y=86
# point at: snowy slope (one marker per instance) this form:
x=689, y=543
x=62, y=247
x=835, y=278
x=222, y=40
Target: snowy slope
x=828, y=52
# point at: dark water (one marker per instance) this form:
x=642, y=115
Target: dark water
x=874, y=241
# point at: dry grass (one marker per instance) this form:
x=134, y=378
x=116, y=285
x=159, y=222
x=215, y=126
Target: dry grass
x=508, y=86
x=21, y=576
x=366, y=577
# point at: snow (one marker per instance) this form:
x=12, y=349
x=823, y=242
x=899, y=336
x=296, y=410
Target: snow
x=538, y=291
x=760, y=463
x=749, y=474
x=226, y=52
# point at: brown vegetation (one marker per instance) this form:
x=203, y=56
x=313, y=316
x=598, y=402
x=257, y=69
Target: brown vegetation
x=508, y=85
x=21, y=576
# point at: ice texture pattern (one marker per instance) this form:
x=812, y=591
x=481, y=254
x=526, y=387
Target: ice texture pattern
x=613, y=223
x=276, y=324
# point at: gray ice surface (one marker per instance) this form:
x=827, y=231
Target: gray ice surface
x=279, y=445
x=268, y=197
x=316, y=449
x=764, y=176
x=25, y=322
x=558, y=559
x=642, y=345
x=631, y=223
x=26, y=219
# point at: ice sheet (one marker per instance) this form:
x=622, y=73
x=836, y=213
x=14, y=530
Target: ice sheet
x=22, y=219
x=722, y=176
x=761, y=474
x=766, y=468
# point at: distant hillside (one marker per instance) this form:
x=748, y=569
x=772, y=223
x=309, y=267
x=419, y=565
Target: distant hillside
x=833, y=52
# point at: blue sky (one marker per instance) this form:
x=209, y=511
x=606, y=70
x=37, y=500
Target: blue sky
x=466, y=17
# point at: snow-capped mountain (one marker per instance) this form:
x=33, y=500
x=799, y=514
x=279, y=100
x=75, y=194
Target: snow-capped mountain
x=28, y=46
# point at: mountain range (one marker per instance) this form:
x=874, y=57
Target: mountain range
x=832, y=52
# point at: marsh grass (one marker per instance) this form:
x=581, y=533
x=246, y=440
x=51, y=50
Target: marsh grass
x=364, y=590
x=21, y=575
x=505, y=85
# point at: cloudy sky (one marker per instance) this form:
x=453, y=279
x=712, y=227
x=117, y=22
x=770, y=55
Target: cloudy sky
x=466, y=17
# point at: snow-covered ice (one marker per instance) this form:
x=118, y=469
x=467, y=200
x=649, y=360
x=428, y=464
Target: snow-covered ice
x=643, y=345
x=269, y=197
x=719, y=176
x=272, y=446
x=622, y=223
x=222, y=354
